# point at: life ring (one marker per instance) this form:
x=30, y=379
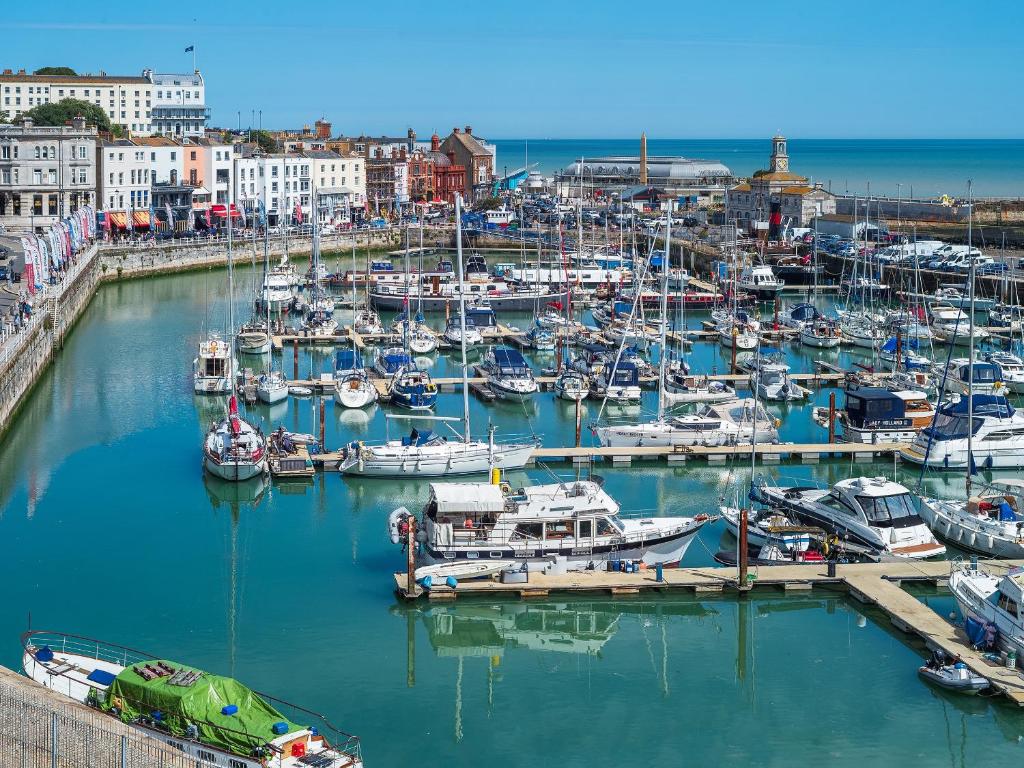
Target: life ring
x=506, y=489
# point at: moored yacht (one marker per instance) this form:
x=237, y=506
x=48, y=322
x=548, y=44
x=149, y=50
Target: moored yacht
x=997, y=439
x=991, y=599
x=879, y=415
x=989, y=522
x=390, y=360
x=619, y=383
x=213, y=720
x=234, y=449
x=1012, y=369
x=352, y=385
x=870, y=511
x=728, y=423
x=412, y=389
x=508, y=374
x=760, y=281
x=572, y=385
x=271, y=387
x=577, y=521
x=211, y=370
x=253, y=339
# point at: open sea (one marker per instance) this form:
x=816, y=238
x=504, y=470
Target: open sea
x=110, y=530
x=924, y=167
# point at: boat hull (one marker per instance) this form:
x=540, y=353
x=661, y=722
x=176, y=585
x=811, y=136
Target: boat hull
x=234, y=471
x=458, y=460
x=396, y=302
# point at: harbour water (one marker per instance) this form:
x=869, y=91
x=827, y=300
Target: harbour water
x=924, y=167
x=111, y=530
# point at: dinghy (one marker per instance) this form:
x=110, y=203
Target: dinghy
x=953, y=677
x=462, y=571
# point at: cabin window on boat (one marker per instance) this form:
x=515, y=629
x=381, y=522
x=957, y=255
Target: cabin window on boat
x=949, y=427
x=585, y=529
x=528, y=531
x=838, y=505
x=884, y=510
x=207, y=756
x=606, y=527
x=1008, y=604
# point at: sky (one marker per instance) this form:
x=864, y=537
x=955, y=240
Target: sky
x=554, y=69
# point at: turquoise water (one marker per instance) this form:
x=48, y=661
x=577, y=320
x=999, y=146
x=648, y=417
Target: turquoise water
x=111, y=530
x=924, y=167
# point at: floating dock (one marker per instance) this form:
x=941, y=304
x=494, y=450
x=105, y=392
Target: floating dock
x=875, y=584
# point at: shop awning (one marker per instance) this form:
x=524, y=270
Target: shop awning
x=222, y=211
x=118, y=218
x=140, y=218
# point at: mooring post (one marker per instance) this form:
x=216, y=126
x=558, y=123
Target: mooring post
x=742, y=554
x=295, y=358
x=410, y=557
x=732, y=363
x=323, y=444
x=578, y=420
x=832, y=416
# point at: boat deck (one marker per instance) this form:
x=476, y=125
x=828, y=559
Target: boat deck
x=876, y=584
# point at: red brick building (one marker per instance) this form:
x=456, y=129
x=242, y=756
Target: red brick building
x=434, y=175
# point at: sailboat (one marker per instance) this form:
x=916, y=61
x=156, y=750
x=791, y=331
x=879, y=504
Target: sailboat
x=352, y=385
x=253, y=338
x=233, y=448
x=431, y=455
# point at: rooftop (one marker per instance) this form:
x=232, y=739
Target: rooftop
x=102, y=77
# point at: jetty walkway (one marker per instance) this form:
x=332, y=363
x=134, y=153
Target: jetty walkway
x=875, y=584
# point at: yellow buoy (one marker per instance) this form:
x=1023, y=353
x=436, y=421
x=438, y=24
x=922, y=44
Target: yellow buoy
x=495, y=476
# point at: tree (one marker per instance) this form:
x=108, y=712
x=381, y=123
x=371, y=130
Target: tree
x=55, y=71
x=60, y=112
x=265, y=140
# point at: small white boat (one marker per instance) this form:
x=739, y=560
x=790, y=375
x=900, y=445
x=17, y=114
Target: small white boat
x=572, y=385
x=821, y=334
x=955, y=677
x=300, y=391
x=367, y=323
x=422, y=340
x=253, y=340
x=439, y=572
x=272, y=387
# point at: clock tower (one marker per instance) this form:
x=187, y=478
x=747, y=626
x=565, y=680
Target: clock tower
x=780, y=158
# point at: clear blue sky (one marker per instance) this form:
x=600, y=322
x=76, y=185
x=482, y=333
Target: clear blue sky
x=731, y=69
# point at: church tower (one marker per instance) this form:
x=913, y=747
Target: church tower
x=780, y=158
x=643, y=158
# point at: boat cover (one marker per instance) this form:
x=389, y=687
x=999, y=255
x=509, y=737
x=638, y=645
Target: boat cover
x=509, y=360
x=347, y=360
x=199, y=704
x=984, y=405
x=467, y=497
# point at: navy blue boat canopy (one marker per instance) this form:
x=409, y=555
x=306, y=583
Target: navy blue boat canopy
x=984, y=405
x=509, y=359
x=347, y=360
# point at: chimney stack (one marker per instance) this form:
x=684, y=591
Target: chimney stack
x=21, y=71
x=643, y=158
x=455, y=130
x=469, y=130
x=435, y=143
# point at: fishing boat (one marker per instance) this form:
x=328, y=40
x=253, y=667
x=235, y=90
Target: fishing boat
x=430, y=455
x=233, y=448
x=352, y=385
x=212, y=719
x=576, y=524
x=412, y=389
x=730, y=423
x=390, y=360
x=571, y=385
x=271, y=387
x=508, y=374
x=990, y=603
x=990, y=522
x=996, y=441
x=871, y=511
x=211, y=370
x=880, y=415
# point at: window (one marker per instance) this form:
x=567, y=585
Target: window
x=235, y=763
x=52, y=176
x=37, y=205
x=82, y=177
x=39, y=151
x=52, y=205
x=837, y=505
x=528, y=531
x=209, y=757
x=174, y=156
x=1008, y=604
x=193, y=155
x=6, y=176
x=37, y=176
x=5, y=152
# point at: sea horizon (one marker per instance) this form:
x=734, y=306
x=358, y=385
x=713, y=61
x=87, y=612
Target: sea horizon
x=899, y=166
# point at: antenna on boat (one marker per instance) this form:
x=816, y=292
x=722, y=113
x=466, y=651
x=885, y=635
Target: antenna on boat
x=664, y=312
x=971, y=261
x=462, y=315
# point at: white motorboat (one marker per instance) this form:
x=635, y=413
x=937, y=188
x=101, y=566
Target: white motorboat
x=954, y=676
x=991, y=522
x=508, y=374
x=1012, y=369
x=618, y=383
x=958, y=332
x=728, y=423
x=880, y=415
x=439, y=573
x=983, y=377
x=738, y=334
x=760, y=281
x=211, y=370
x=572, y=385
x=540, y=338
x=991, y=600
x=768, y=527
x=276, y=293
x=234, y=449
x=576, y=524
x=299, y=391
x=352, y=385
x=682, y=387
x=453, y=332
x=271, y=387
x=213, y=720
x=771, y=382
x=997, y=440
x=870, y=511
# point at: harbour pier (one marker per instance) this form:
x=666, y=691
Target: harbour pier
x=875, y=584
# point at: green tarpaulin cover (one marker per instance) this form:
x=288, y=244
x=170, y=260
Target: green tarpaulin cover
x=198, y=704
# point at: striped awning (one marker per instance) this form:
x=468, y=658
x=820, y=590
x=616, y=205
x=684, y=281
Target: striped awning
x=140, y=218
x=118, y=218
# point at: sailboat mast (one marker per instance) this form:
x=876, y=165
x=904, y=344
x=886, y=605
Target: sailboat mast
x=231, y=307
x=462, y=315
x=664, y=313
x=970, y=330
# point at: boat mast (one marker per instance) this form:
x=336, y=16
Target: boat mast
x=970, y=327
x=231, y=310
x=462, y=315
x=664, y=313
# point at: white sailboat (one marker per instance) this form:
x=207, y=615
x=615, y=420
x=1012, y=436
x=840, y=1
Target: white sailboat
x=431, y=455
x=233, y=448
